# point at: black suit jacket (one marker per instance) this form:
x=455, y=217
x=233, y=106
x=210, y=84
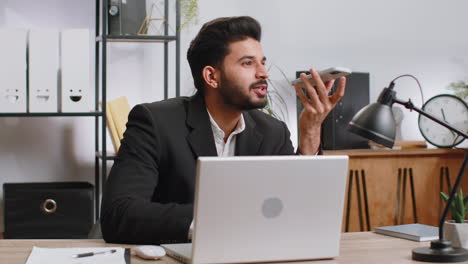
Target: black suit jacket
x=148, y=197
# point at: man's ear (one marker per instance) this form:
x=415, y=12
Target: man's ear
x=211, y=76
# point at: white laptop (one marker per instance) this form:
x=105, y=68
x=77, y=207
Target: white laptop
x=266, y=208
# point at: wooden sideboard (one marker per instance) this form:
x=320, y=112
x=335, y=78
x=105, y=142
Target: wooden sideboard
x=378, y=196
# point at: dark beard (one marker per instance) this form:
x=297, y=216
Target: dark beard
x=232, y=96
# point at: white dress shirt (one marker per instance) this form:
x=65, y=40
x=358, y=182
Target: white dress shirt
x=224, y=149
x=228, y=148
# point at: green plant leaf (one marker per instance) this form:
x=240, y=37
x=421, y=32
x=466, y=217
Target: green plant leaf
x=460, y=204
x=189, y=13
x=453, y=207
x=462, y=212
x=454, y=213
x=444, y=196
x=457, y=217
x=460, y=88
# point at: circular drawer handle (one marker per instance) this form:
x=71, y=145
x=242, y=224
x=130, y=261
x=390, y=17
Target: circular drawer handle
x=49, y=206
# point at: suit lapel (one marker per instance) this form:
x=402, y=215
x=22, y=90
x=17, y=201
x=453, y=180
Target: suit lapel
x=250, y=140
x=200, y=137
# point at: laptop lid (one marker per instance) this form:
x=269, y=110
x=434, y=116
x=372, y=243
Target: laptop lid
x=267, y=208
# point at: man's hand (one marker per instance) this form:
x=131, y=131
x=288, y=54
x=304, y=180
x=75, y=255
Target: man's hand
x=316, y=108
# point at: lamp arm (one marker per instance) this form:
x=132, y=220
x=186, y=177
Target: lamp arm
x=409, y=105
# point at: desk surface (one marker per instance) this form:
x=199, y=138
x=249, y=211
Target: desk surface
x=359, y=248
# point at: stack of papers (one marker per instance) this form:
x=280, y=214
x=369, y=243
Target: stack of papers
x=69, y=256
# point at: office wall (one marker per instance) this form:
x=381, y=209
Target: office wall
x=386, y=38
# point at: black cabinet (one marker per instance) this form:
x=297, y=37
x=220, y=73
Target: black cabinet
x=48, y=210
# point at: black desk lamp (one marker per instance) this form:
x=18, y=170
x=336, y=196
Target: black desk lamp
x=376, y=122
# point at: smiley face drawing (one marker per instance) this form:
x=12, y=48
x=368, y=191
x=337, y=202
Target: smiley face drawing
x=12, y=95
x=76, y=95
x=42, y=95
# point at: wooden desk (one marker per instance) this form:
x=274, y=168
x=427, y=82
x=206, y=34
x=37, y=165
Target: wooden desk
x=381, y=175
x=362, y=248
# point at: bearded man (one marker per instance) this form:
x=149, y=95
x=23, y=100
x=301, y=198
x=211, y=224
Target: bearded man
x=149, y=193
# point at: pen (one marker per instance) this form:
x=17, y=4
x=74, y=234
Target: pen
x=89, y=254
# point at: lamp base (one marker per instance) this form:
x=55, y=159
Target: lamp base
x=440, y=251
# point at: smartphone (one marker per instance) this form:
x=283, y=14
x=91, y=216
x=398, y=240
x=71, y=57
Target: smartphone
x=327, y=75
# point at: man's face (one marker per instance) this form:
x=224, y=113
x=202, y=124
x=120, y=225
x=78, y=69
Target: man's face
x=243, y=76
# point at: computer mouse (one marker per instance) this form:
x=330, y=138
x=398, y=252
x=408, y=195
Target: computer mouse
x=149, y=252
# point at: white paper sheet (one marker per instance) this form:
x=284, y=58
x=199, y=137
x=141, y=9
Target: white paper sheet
x=65, y=256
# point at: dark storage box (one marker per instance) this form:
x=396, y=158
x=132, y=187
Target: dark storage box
x=48, y=210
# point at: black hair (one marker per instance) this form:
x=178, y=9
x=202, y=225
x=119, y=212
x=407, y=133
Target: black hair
x=211, y=44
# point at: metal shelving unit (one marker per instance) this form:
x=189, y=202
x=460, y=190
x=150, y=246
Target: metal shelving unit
x=96, y=114
x=101, y=156
x=126, y=38
x=102, y=38
x=49, y=114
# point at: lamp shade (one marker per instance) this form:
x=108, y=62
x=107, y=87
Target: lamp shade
x=375, y=122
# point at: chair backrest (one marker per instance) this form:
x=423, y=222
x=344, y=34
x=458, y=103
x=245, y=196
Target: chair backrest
x=117, y=117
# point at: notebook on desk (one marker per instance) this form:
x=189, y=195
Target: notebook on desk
x=104, y=255
x=416, y=232
x=266, y=208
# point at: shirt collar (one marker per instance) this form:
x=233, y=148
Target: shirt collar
x=219, y=133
